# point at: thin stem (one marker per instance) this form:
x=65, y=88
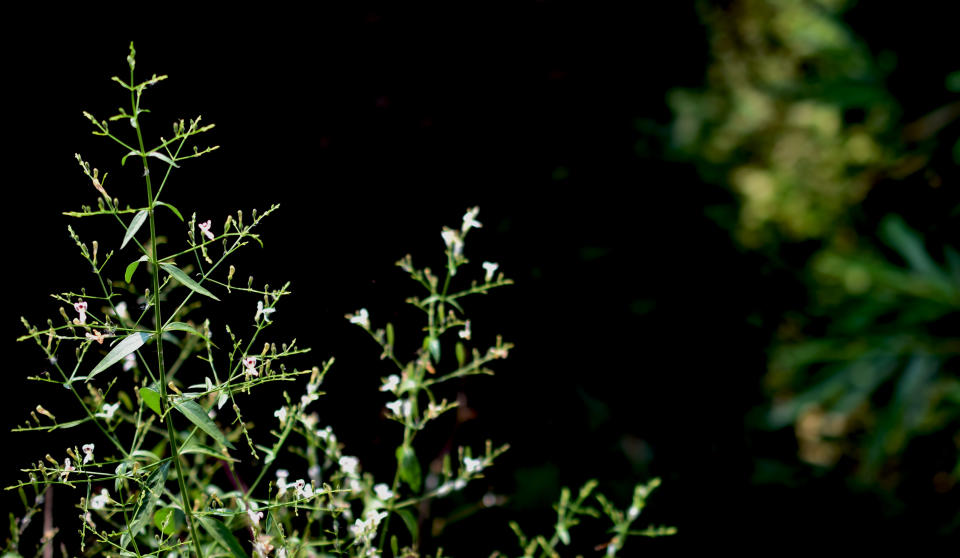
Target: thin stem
x=158, y=332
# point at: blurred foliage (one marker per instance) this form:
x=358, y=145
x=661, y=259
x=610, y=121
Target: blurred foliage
x=797, y=121
x=795, y=116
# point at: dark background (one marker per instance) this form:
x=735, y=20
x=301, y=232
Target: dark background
x=641, y=328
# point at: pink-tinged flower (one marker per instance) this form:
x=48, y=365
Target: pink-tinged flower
x=348, y=464
x=470, y=220
x=361, y=318
x=390, y=383
x=255, y=516
x=250, y=365
x=88, y=453
x=453, y=240
x=282, y=475
x=383, y=492
x=81, y=308
x=262, y=547
x=205, y=228
x=465, y=332
x=67, y=468
x=99, y=501
x=95, y=336
x=108, y=410
x=129, y=362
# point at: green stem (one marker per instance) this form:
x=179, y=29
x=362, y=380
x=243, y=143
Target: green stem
x=158, y=332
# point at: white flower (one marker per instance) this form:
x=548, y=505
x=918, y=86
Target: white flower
x=365, y=529
x=490, y=268
x=281, y=414
x=129, y=362
x=81, y=308
x=265, y=312
x=262, y=546
x=452, y=239
x=250, y=365
x=400, y=408
x=633, y=512
x=121, y=309
x=473, y=465
x=255, y=516
x=465, y=332
x=390, y=383
x=383, y=491
x=205, y=228
x=326, y=434
x=303, y=489
x=99, y=501
x=348, y=464
x=282, y=475
x=108, y=410
x=88, y=453
x=470, y=220
x=67, y=468
x=361, y=318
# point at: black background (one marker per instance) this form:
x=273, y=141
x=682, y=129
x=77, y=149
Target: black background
x=640, y=327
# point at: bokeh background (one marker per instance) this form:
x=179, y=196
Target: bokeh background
x=733, y=229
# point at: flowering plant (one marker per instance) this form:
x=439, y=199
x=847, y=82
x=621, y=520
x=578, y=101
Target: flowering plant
x=174, y=469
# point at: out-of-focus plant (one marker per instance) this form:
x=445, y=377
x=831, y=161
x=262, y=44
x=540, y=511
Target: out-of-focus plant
x=795, y=117
x=797, y=121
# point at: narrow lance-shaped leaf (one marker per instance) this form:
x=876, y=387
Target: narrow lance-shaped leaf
x=135, y=225
x=152, y=490
x=181, y=326
x=171, y=208
x=151, y=397
x=220, y=533
x=132, y=268
x=163, y=158
x=198, y=416
x=126, y=346
x=185, y=280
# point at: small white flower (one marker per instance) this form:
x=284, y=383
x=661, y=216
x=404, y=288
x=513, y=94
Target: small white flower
x=470, y=220
x=129, y=362
x=255, y=516
x=303, y=489
x=473, y=465
x=122, y=312
x=314, y=473
x=88, y=453
x=250, y=366
x=326, y=434
x=281, y=414
x=490, y=268
x=67, y=468
x=465, y=332
x=108, y=410
x=452, y=239
x=459, y=484
x=390, y=383
x=99, y=501
x=205, y=228
x=262, y=546
x=400, y=408
x=383, y=491
x=633, y=512
x=282, y=475
x=81, y=308
x=348, y=464
x=265, y=312
x=361, y=318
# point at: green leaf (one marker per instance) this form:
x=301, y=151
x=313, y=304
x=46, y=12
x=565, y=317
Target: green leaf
x=409, y=467
x=126, y=346
x=128, y=274
x=135, y=225
x=186, y=281
x=147, y=501
x=461, y=354
x=163, y=158
x=180, y=326
x=433, y=344
x=221, y=533
x=411, y=523
x=205, y=450
x=169, y=520
x=151, y=397
x=198, y=416
x=173, y=209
